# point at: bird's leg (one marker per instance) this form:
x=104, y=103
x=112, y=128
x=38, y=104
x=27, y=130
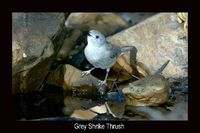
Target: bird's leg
x=104, y=81
x=84, y=73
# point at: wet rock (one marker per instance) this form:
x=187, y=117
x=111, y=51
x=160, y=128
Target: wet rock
x=131, y=113
x=75, y=103
x=116, y=109
x=79, y=108
x=107, y=23
x=115, y=97
x=177, y=112
x=107, y=117
x=99, y=109
x=79, y=86
x=32, y=47
x=157, y=39
x=69, y=78
x=140, y=112
x=149, y=91
x=56, y=77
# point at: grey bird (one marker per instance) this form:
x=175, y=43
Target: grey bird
x=102, y=54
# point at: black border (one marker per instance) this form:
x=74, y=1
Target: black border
x=86, y=5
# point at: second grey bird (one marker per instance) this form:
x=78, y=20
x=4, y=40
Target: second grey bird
x=102, y=54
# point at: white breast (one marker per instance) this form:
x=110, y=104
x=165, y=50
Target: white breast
x=99, y=57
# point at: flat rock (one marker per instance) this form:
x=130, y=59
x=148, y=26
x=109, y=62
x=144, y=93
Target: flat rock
x=149, y=91
x=69, y=78
x=158, y=38
x=86, y=86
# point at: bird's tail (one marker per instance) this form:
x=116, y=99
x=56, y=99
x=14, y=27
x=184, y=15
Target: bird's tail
x=133, y=53
x=162, y=67
x=128, y=48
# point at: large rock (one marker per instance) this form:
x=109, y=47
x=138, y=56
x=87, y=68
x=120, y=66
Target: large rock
x=107, y=23
x=158, y=39
x=86, y=86
x=32, y=47
x=69, y=78
x=149, y=91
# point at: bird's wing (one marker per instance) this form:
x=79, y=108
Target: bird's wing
x=114, y=51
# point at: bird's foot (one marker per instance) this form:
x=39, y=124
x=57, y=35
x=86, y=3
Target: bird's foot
x=100, y=83
x=85, y=73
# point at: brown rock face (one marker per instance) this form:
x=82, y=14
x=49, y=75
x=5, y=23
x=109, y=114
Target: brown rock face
x=32, y=47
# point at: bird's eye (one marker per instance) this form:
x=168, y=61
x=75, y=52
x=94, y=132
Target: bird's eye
x=97, y=37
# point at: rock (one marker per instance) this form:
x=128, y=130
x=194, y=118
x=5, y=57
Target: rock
x=83, y=114
x=74, y=103
x=140, y=112
x=69, y=44
x=157, y=39
x=86, y=86
x=99, y=109
x=117, y=97
x=69, y=78
x=177, y=112
x=33, y=46
x=149, y=91
x=107, y=23
x=179, y=90
x=129, y=68
x=56, y=77
x=116, y=109
x=135, y=18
